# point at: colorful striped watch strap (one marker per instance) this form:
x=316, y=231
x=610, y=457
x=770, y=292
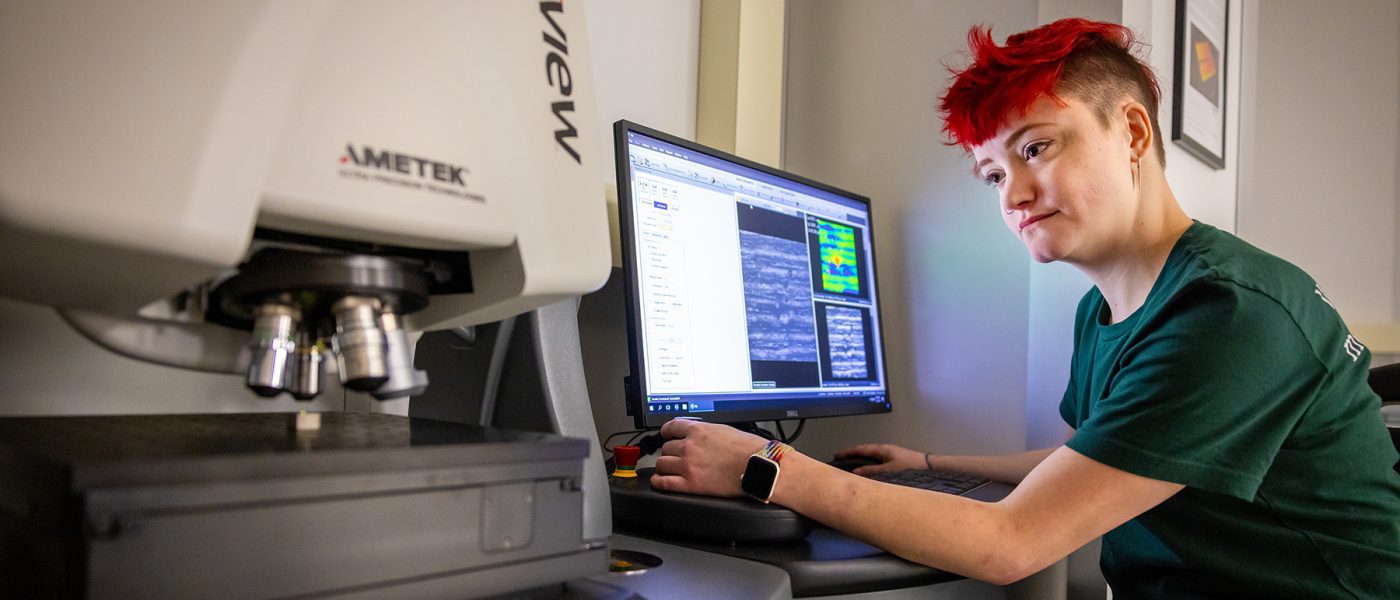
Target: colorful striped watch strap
x=774, y=450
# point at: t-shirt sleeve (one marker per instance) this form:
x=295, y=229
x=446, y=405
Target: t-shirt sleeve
x=1068, y=400
x=1207, y=393
x=1067, y=404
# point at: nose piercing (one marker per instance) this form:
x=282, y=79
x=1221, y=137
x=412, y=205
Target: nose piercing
x=1009, y=211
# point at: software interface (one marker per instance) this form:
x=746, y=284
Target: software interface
x=754, y=292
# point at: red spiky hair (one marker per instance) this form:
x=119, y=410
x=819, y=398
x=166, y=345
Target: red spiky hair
x=1092, y=60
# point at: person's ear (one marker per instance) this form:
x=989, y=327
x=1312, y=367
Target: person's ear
x=1139, y=129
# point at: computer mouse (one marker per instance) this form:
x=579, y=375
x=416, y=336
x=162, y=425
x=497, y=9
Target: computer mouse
x=850, y=463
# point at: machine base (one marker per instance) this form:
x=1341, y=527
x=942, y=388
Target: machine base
x=242, y=505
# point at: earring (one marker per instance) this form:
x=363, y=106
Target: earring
x=1136, y=168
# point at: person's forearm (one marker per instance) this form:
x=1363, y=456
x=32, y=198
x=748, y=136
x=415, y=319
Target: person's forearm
x=963, y=536
x=1011, y=468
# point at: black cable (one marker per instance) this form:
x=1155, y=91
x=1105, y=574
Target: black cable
x=635, y=433
x=632, y=440
x=754, y=429
x=796, y=432
x=784, y=437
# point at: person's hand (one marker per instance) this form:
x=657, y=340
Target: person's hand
x=703, y=458
x=891, y=457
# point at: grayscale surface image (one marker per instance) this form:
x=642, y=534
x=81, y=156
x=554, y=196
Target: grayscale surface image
x=846, y=336
x=779, y=298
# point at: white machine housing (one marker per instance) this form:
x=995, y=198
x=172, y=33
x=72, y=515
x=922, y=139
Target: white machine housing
x=144, y=141
x=146, y=144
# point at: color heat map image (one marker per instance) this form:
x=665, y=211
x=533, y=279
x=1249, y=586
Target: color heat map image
x=779, y=298
x=845, y=334
x=838, y=255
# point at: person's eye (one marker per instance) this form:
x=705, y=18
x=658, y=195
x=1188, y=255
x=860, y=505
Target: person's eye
x=993, y=178
x=1035, y=149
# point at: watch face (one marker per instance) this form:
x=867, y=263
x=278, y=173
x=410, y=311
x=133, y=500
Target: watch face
x=759, y=477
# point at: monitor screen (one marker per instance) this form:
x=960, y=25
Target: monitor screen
x=751, y=293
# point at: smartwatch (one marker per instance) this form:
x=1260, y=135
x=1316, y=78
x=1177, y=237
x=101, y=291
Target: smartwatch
x=761, y=474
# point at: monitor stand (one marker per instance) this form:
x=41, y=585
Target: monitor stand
x=639, y=509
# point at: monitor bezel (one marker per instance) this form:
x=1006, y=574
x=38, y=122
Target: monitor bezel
x=635, y=391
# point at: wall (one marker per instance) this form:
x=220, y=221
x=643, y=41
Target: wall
x=1318, y=185
x=1055, y=290
x=645, y=57
x=645, y=62
x=1207, y=194
x=863, y=78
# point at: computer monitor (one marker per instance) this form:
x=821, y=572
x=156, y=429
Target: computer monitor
x=751, y=292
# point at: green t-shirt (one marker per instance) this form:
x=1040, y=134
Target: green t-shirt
x=1238, y=379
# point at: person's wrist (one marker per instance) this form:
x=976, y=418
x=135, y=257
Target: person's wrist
x=794, y=467
x=763, y=470
x=929, y=462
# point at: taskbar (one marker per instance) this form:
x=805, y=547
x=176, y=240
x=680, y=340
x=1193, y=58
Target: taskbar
x=774, y=406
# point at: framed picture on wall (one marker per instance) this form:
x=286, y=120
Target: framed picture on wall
x=1202, y=49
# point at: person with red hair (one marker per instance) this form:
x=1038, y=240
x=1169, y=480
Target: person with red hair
x=1225, y=443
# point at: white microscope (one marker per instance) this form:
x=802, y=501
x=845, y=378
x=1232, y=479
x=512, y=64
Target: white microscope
x=287, y=190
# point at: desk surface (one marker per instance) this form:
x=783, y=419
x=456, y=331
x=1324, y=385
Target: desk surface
x=828, y=562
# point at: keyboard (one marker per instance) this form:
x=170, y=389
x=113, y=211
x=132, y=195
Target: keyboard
x=937, y=481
